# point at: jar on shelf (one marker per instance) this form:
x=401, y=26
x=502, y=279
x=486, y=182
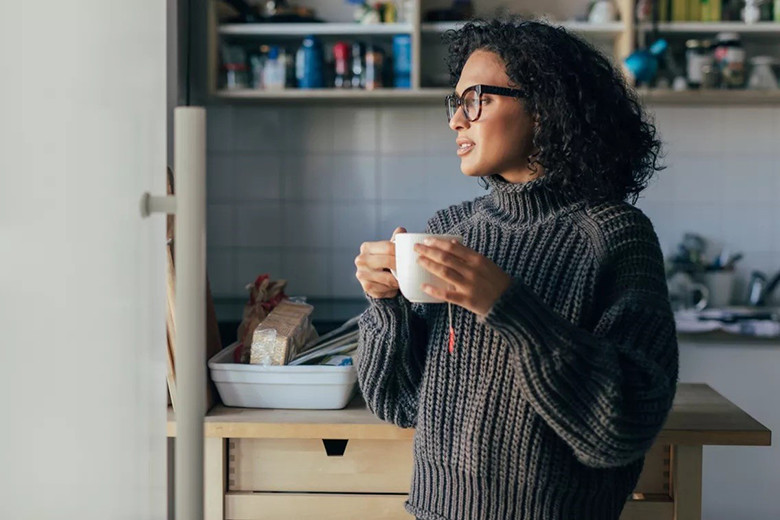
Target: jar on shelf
x=698, y=56
x=235, y=73
x=730, y=59
x=762, y=77
x=236, y=76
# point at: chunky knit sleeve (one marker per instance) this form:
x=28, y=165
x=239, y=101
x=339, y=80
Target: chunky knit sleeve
x=391, y=358
x=393, y=341
x=607, y=391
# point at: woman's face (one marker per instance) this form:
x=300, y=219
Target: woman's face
x=500, y=141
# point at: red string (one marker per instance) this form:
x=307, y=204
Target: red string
x=452, y=331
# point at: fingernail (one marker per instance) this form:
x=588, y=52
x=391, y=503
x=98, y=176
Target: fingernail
x=428, y=241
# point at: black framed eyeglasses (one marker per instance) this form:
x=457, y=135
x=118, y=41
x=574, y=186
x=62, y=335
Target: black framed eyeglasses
x=471, y=100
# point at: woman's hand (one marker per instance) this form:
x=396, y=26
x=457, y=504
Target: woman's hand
x=477, y=281
x=373, y=267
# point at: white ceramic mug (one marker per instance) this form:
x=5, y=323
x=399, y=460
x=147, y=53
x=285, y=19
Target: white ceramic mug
x=410, y=275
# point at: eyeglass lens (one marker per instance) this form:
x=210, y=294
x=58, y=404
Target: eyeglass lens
x=470, y=103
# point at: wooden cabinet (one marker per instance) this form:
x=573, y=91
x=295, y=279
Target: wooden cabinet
x=347, y=464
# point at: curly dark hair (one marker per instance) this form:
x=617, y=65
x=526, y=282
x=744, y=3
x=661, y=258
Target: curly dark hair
x=594, y=139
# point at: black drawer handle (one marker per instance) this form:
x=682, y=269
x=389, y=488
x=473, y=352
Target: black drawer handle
x=335, y=447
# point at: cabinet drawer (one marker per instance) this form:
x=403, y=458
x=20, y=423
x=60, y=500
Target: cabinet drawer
x=302, y=506
x=349, y=466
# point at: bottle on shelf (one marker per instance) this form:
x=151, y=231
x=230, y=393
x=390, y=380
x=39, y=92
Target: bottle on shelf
x=274, y=70
x=309, y=64
x=358, y=66
x=374, y=67
x=402, y=62
x=342, y=77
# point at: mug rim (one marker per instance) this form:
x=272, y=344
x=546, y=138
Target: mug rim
x=445, y=235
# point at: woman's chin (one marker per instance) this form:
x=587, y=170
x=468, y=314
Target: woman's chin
x=469, y=168
x=471, y=171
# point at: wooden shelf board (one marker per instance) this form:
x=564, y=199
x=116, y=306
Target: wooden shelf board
x=711, y=97
x=345, y=95
x=651, y=97
x=302, y=29
x=606, y=29
x=713, y=27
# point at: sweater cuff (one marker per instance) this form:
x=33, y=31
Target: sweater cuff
x=393, y=302
x=510, y=305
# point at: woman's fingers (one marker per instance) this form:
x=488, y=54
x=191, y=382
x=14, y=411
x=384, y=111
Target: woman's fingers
x=453, y=248
x=377, y=278
x=382, y=247
x=377, y=284
x=447, y=295
x=439, y=255
x=373, y=267
x=375, y=262
x=446, y=272
x=397, y=230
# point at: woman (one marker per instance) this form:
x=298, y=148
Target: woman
x=565, y=360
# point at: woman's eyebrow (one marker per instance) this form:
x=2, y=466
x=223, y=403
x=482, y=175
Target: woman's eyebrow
x=461, y=92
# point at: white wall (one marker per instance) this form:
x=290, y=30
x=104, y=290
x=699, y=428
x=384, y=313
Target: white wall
x=739, y=481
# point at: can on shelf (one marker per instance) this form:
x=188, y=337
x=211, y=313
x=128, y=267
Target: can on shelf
x=730, y=59
x=698, y=56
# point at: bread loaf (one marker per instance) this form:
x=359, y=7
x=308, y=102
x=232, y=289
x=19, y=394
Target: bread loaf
x=279, y=337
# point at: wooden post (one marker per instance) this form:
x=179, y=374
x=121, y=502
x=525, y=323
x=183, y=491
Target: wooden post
x=214, y=478
x=686, y=481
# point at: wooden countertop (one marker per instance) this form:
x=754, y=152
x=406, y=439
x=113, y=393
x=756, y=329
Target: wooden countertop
x=700, y=416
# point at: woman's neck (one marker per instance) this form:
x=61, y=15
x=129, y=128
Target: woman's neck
x=523, y=175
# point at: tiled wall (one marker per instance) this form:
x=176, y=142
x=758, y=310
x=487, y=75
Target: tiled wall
x=722, y=181
x=294, y=191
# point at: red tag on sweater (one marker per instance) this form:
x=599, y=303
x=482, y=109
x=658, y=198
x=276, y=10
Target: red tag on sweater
x=452, y=339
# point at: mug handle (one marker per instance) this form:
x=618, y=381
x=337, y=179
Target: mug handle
x=705, y=296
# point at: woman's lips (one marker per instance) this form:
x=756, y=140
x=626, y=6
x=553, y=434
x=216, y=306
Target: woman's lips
x=464, y=146
x=463, y=150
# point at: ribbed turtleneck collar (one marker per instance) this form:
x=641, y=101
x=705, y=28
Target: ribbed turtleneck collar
x=523, y=202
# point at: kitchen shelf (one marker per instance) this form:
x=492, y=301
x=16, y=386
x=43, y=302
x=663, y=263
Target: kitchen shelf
x=328, y=94
x=768, y=28
x=426, y=55
x=604, y=29
x=435, y=95
x=320, y=29
x=711, y=97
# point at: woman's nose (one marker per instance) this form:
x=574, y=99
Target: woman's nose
x=459, y=120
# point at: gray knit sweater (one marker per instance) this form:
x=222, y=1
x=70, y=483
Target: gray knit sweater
x=548, y=404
